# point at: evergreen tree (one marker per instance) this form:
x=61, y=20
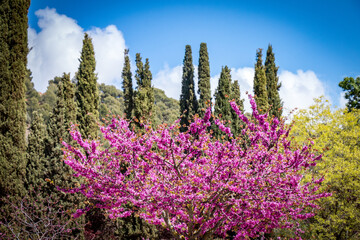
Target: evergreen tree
x=127, y=87
x=36, y=160
x=32, y=98
x=188, y=102
x=351, y=87
x=60, y=174
x=56, y=131
x=13, y=54
x=236, y=123
x=144, y=96
x=87, y=95
x=261, y=96
x=203, y=79
x=139, y=75
x=272, y=84
x=69, y=104
x=222, y=95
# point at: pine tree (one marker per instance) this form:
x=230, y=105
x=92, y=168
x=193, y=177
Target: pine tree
x=36, y=160
x=203, y=79
x=87, y=95
x=222, y=95
x=144, y=96
x=261, y=96
x=13, y=60
x=236, y=123
x=273, y=85
x=188, y=102
x=69, y=104
x=127, y=87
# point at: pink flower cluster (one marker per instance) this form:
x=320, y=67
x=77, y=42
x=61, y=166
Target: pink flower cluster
x=195, y=185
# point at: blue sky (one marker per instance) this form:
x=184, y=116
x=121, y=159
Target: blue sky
x=314, y=41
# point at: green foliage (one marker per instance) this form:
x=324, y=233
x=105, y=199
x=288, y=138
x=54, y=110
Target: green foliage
x=260, y=92
x=351, y=87
x=203, y=79
x=56, y=129
x=13, y=60
x=111, y=101
x=272, y=84
x=127, y=87
x=58, y=173
x=48, y=99
x=336, y=136
x=144, y=96
x=166, y=109
x=35, y=154
x=222, y=96
x=87, y=95
x=32, y=98
x=236, y=123
x=188, y=102
x=69, y=104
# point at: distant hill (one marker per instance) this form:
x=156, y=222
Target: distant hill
x=111, y=102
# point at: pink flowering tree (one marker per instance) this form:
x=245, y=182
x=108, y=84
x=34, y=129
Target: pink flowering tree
x=195, y=185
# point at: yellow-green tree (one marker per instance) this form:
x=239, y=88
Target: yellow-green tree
x=336, y=135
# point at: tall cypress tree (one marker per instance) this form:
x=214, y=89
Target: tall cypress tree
x=203, y=79
x=223, y=94
x=144, y=96
x=87, y=94
x=272, y=84
x=56, y=130
x=36, y=160
x=188, y=102
x=261, y=96
x=60, y=174
x=69, y=104
x=13, y=60
x=236, y=123
x=127, y=87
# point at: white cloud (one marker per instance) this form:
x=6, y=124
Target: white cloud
x=109, y=45
x=56, y=49
x=169, y=80
x=299, y=89
x=342, y=100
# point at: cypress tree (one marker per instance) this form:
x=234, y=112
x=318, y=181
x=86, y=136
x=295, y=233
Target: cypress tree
x=272, y=84
x=236, y=123
x=60, y=174
x=188, y=102
x=32, y=98
x=127, y=87
x=149, y=89
x=69, y=104
x=87, y=95
x=223, y=94
x=143, y=107
x=56, y=130
x=144, y=96
x=203, y=79
x=13, y=60
x=261, y=96
x=36, y=160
